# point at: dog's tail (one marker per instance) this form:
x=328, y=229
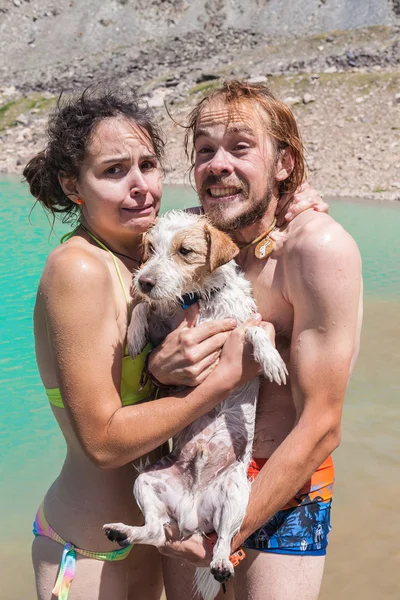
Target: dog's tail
x=205, y=584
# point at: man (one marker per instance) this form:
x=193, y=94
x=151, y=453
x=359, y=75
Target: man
x=307, y=282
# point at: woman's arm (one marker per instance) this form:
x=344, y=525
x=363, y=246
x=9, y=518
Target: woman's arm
x=85, y=338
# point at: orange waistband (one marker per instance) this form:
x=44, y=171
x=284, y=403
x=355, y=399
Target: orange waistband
x=318, y=488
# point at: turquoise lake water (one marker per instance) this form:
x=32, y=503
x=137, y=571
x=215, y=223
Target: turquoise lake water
x=364, y=541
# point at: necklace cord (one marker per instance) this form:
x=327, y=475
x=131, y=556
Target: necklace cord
x=260, y=237
x=127, y=298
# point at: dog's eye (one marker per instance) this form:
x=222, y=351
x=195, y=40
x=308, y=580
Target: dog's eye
x=184, y=251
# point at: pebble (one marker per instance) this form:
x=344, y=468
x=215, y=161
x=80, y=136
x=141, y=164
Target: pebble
x=157, y=98
x=307, y=98
x=23, y=120
x=258, y=79
x=292, y=100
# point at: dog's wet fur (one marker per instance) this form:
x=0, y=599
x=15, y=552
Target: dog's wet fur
x=202, y=485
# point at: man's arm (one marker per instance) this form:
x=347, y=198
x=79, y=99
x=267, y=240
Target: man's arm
x=324, y=274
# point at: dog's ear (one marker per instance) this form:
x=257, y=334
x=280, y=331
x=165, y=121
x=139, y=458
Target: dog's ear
x=145, y=247
x=221, y=248
x=145, y=250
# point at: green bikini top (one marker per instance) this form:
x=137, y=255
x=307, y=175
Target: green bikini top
x=132, y=391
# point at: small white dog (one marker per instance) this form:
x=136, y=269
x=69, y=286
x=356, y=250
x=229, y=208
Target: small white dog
x=202, y=485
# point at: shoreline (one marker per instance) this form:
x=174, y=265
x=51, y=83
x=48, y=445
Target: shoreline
x=343, y=88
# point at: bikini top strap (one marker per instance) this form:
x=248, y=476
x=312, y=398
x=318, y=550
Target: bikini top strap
x=67, y=236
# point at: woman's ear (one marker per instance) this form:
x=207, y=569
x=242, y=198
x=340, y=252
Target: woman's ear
x=284, y=164
x=68, y=186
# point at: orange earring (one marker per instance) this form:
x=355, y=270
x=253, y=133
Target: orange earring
x=79, y=201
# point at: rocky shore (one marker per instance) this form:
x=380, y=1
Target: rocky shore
x=343, y=87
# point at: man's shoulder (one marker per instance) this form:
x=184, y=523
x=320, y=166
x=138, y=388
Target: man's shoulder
x=316, y=240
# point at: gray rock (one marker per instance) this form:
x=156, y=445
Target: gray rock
x=23, y=120
x=307, y=98
x=292, y=100
x=157, y=98
x=206, y=77
x=258, y=79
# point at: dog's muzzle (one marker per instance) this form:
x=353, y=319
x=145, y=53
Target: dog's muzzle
x=146, y=283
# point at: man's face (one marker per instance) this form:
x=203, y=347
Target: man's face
x=234, y=165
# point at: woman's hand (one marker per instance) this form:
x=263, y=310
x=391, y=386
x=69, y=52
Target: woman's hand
x=237, y=354
x=291, y=205
x=189, y=354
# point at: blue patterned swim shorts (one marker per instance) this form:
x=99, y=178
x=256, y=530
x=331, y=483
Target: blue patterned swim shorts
x=302, y=530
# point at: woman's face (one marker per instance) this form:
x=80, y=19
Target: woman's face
x=120, y=180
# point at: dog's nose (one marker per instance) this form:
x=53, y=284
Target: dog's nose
x=147, y=282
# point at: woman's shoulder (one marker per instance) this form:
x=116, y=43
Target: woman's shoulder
x=74, y=267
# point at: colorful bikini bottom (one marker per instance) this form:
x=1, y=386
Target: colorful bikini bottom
x=66, y=573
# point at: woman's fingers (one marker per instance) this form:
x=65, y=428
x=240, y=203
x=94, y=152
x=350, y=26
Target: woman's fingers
x=200, y=371
x=194, y=352
x=175, y=360
x=189, y=317
x=202, y=332
x=305, y=197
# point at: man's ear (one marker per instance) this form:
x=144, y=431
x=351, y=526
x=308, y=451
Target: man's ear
x=68, y=185
x=284, y=164
x=221, y=248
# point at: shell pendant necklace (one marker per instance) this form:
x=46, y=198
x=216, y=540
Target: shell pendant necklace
x=264, y=244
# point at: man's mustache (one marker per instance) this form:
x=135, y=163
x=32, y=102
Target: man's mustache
x=222, y=181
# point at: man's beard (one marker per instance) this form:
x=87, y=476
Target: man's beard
x=254, y=210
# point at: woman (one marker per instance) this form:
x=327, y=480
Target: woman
x=102, y=163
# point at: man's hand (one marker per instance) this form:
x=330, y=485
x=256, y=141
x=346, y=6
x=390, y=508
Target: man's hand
x=196, y=549
x=291, y=205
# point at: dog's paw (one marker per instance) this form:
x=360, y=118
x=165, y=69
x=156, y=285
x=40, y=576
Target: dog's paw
x=221, y=569
x=274, y=367
x=118, y=532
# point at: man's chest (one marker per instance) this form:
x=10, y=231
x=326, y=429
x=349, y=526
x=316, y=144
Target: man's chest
x=270, y=294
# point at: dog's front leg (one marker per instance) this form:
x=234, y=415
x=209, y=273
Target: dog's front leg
x=138, y=329
x=266, y=355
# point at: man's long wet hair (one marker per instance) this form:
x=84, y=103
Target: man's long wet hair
x=70, y=128
x=279, y=122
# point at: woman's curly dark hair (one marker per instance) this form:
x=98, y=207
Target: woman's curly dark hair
x=70, y=127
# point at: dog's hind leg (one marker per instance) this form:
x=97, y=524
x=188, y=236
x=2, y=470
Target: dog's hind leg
x=228, y=517
x=228, y=498
x=155, y=514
